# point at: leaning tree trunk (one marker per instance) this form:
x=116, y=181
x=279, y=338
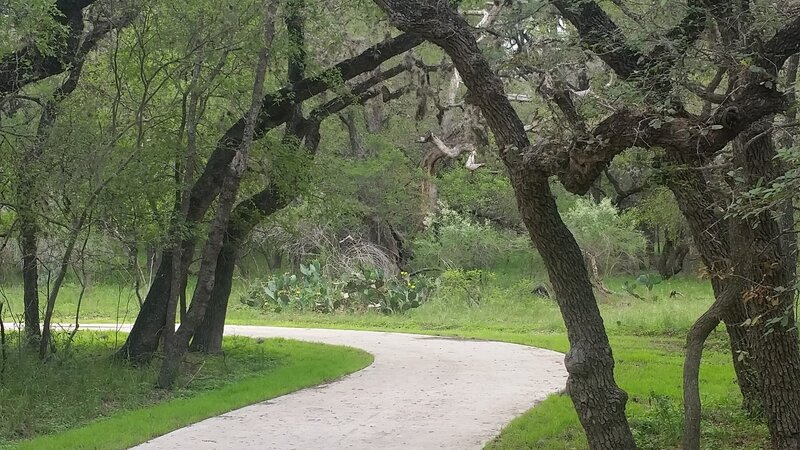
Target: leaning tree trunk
x=245, y=217
x=145, y=336
x=249, y=213
x=712, y=237
x=599, y=402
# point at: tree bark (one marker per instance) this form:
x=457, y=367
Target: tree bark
x=30, y=276
x=600, y=403
x=245, y=217
x=249, y=213
x=673, y=254
x=767, y=260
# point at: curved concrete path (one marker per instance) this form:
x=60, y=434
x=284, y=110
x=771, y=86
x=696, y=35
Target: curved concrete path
x=422, y=392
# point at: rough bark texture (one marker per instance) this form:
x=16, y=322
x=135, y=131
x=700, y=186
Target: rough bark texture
x=249, y=213
x=278, y=107
x=766, y=261
x=600, y=403
x=753, y=100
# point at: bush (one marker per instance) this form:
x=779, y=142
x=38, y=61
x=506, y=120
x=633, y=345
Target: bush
x=361, y=290
x=470, y=283
x=610, y=238
x=661, y=425
x=452, y=240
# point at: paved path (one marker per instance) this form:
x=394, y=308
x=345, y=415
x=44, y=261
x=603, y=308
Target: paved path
x=422, y=392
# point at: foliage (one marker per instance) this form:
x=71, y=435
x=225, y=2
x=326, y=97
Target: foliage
x=453, y=240
x=472, y=284
x=608, y=236
x=361, y=290
x=483, y=194
x=763, y=197
x=658, y=209
x=661, y=425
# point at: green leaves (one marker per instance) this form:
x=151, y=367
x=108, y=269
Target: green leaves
x=362, y=290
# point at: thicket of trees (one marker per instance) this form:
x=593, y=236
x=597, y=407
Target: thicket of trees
x=160, y=142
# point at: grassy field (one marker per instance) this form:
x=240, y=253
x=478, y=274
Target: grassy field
x=646, y=334
x=83, y=400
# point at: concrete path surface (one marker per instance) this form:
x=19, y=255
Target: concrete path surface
x=422, y=392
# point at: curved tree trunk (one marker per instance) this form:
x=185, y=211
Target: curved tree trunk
x=712, y=237
x=177, y=346
x=600, y=403
x=245, y=217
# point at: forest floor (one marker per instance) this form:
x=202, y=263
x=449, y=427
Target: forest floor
x=647, y=336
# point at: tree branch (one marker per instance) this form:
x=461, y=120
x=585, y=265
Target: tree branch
x=278, y=108
x=28, y=64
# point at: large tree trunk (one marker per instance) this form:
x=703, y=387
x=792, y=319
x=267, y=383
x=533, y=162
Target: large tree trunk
x=739, y=342
x=249, y=213
x=766, y=259
x=245, y=217
x=600, y=403
x=145, y=335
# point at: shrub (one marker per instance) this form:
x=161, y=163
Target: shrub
x=661, y=425
x=470, y=283
x=611, y=238
x=453, y=240
x=361, y=290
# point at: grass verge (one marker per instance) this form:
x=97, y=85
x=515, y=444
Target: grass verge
x=647, y=335
x=127, y=415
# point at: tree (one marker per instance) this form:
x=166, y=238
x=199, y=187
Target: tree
x=28, y=65
x=597, y=398
x=278, y=106
x=690, y=141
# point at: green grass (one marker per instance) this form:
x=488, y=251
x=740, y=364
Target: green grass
x=83, y=400
x=647, y=337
